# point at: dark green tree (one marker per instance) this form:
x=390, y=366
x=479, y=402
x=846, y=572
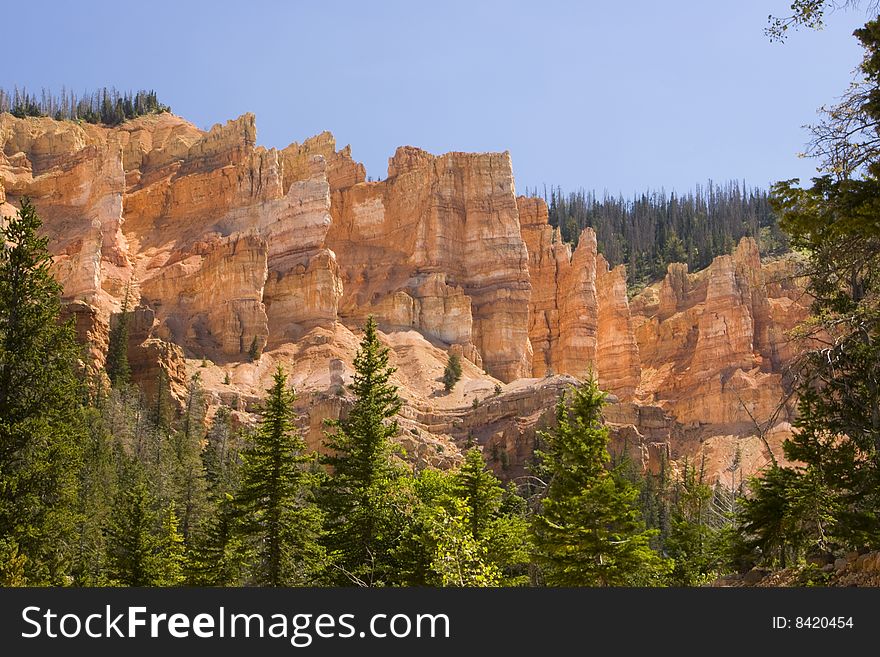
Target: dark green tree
x=222, y=454
x=363, y=496
x=831, y=500
x=144, y=546
x=254, y=350
x=41, y=414
x=188, y=469
x=480, y=490
x=496, y=518
x=97, y=489
x=588, y=531
x=768, y=523
x=118, y=369
x=452, y=372
x=651, y=230
x=277, y=515
x=219, y=554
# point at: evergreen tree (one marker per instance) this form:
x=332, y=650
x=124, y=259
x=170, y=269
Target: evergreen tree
x=188, y=469
x=41, y=414
x=142, y=544
x=118, y=369
x=219, y=554
x=696, y=540
x=363, y=496
x=452, y=372
x=97, y=489
x=254, y=350
x=221, y=456
x=480, y=490
x=588, y=531
x=829, y=502
x=769, y=524
x=171, y=555
x=277, y=515
x=106, y=106
x=653, y=229
x=496, y=518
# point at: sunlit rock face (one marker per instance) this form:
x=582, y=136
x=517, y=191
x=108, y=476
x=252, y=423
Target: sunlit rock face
x=225, y=249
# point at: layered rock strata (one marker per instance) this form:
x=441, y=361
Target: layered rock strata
x=226, y=249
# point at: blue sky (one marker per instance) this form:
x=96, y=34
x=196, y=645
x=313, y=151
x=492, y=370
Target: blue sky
x=605, y=95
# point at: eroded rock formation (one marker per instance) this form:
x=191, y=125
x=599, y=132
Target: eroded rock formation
x=224, y=245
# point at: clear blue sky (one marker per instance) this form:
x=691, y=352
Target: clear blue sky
x=606, y=95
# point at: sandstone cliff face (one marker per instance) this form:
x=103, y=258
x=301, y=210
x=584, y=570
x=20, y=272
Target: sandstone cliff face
x=617, y=353
x=563, y=312
x=453, y=215
x=579, y=320
x=714, y=346
x=225, y=222
x=223, y=244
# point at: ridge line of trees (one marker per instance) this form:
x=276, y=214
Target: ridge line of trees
x=107, y=106
x=653, y=229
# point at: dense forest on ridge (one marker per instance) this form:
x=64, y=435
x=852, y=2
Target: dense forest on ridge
x=655, y=228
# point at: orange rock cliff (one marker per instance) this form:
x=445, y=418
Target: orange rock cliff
x=222, y=243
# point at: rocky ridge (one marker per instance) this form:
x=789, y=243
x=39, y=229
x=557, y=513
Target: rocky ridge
x=224, y=245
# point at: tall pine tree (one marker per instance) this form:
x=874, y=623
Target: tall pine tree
x=41, y=415
x=831, y=498
x=144, y=546
x=495, y=518
x=589, y=531
x=118, y=369
x=363, y=497
x=277, y=514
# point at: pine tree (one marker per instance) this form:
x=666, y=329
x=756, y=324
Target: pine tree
x=136, y=543
x=696, y=542
x=118, y=369
x=221, y=455
x=276, y=510
x=363, y=495
x=495, y=517
x=97, y=489
x=170, y=557
x=480, y=490
x=588, y=531
x=452, y=372
x=768, y=523
x=218, y=555
x=41, y=414
x=254, y=350
x=188, y=469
